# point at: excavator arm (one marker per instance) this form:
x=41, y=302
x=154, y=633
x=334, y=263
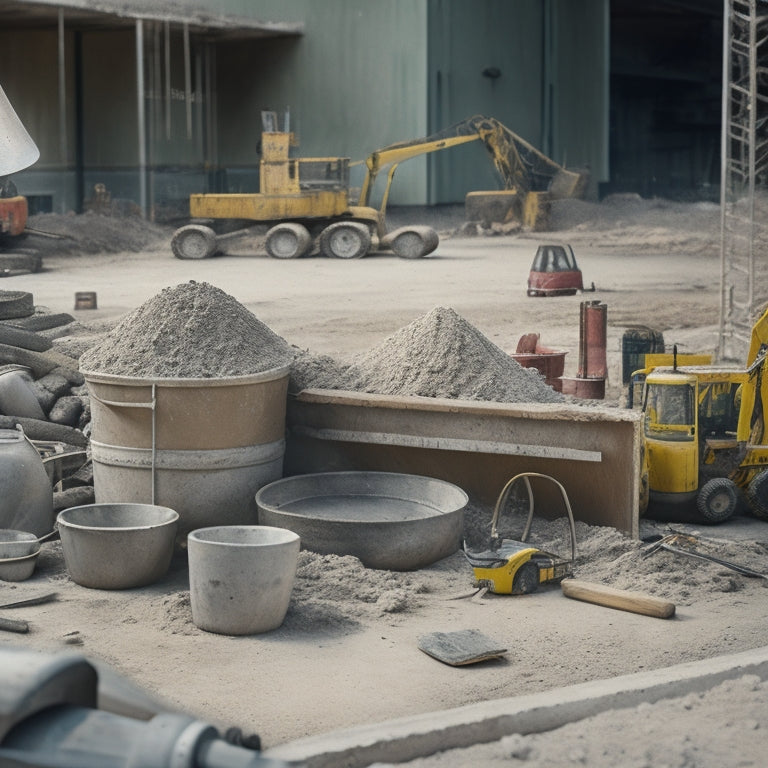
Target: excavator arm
x=519, y=164
x=754, y=395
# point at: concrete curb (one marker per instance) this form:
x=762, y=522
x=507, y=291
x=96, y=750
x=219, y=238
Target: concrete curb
x=407, y=738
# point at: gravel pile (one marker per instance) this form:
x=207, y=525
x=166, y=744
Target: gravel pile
x=192, y=330
x=95, y=233
x=438, y=355
x=442, y=355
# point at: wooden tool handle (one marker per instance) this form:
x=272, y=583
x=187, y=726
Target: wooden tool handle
x=636, y=602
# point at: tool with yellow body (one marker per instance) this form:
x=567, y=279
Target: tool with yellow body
x=516, y=567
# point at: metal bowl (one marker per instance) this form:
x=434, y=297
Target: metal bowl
x=15, y=543
x=388, y=520
x=18, y=568
x=117, y=546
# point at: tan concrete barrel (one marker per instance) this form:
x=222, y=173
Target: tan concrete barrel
x=202, y=447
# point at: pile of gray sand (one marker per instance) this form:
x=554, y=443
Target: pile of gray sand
x=192, y=330
x=438, y=355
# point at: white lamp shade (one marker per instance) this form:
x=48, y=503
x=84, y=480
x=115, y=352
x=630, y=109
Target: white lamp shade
x=17, y=149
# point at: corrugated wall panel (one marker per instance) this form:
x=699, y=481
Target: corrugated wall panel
x=580, y=87
x=356, y=81
x=550, y=62
x=466, y=39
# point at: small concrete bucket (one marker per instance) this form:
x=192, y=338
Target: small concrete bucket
x=200, y=446
x=117, y=546
x=241, y=577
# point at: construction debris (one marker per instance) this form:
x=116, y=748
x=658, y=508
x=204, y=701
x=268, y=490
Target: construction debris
x=51, y=382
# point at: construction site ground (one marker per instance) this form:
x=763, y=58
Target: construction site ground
x=347, y=656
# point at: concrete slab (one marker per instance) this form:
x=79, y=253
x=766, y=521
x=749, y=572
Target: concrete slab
x=408, y=738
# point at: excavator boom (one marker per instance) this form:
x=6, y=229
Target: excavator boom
x=519, y=164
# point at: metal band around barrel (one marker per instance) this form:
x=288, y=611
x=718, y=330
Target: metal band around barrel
x=215, y=459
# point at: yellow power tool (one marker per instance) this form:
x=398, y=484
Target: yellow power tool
x=511, y=567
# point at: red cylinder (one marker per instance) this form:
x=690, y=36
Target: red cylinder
x=593, y=341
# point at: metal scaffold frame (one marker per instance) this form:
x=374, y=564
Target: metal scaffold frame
x=744, y=173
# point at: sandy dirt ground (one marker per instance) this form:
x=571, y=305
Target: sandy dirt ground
x=348, y=653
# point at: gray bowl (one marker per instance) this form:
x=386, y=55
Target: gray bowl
x=15, y=543
x=388, y=520
x=18, y=568
x=117, y=546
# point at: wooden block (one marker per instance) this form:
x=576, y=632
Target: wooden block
x=622, y=599
x=466, y=646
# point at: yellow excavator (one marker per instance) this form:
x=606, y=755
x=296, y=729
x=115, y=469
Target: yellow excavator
x=306, y=201
x=705, y=437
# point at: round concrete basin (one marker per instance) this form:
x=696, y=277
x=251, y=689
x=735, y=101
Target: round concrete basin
x=388, y=520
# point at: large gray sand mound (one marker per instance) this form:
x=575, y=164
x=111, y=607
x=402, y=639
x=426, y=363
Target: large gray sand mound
x=437, y=355
x=193, y=330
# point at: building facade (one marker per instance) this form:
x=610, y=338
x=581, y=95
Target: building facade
x=155, y=99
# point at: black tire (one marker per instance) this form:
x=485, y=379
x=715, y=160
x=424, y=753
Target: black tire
x=42, y=321
x=287, y=241
x=526, y=579
x=16, y=337
x=757, y=495
x=15, y=304
x=345, y=240
x=193, y=242
x=717, y=500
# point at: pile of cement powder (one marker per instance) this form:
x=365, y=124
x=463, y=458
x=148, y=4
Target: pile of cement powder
x=442, y=355
x=312, y=371
x=192, y=330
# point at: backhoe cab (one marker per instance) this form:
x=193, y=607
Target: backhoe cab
x=705, y=438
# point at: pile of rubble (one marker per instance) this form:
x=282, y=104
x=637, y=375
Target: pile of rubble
x=43, y=392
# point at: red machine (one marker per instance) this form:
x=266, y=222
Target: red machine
x=554, y=272
x=13, y=215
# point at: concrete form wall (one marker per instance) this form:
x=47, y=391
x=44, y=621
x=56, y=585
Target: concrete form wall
x=594, y=453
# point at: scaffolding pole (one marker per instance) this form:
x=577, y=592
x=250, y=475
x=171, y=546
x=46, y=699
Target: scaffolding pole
x=744, y=164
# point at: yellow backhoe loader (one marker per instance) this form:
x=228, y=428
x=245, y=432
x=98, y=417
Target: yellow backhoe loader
x=306, y=201
x=705, y=437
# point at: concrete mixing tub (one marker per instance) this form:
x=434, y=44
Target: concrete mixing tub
x=388, y=520
x=200, y=446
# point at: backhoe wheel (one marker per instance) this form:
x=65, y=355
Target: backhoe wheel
x=757, y=495
x=193, y=242
x=345, y=240
x=717, y=500
x=526, y=579
x=288, y=241
x=414, y=242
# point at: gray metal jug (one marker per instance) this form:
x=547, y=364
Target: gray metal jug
x=26, y=494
